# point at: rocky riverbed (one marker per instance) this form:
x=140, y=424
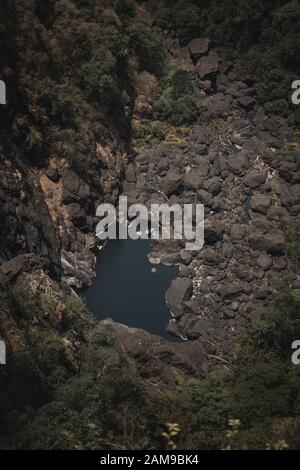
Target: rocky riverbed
x=234, y=162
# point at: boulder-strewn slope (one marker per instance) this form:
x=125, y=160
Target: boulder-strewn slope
x=238, y=162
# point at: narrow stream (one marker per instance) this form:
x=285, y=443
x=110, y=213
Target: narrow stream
x=126, y=290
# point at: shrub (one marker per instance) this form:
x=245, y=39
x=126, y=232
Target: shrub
x=151, y=132
x=76, y=317
x=147, y=132
x=148, y=44
x=98, y=75
x=180, y=102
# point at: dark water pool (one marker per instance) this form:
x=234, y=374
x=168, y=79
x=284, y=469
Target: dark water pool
x=127, y=291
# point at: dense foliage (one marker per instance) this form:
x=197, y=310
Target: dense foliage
x=180, y=101
x=69, y=68
x=106, y=404
x=265, y=32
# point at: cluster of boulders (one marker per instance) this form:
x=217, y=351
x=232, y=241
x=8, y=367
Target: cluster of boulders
x=235, y=163
x=227, y=80
x=50, y=211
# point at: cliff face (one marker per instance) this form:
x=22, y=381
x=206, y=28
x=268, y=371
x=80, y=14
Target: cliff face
x=63, y=142
x=62, y=149
x=25, y=218
x=65, y=136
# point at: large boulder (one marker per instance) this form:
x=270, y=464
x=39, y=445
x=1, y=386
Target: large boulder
x=230, y=291
x=238, y=163
x=213, y=185
x=205, y=198
x=289, y=195
x=213, y=231
x=272, y=242
x=208, y=66
x=219, y=164
x=237, y=232
x=264, y=262
x=192, y=180
x=261, y=203
x=259, y=148
x=211, y=257
x=180, y=290
x=254, y=179
x=74, y=189
x=197, y=327
x=198, y=47
x=218, y=104
x=202, y=135
x=170, y=183
x=79, y=268
x=287, y=170
x=247, y=102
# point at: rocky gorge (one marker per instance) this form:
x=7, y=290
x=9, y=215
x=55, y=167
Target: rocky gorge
x=107, y=113
x=234, y=162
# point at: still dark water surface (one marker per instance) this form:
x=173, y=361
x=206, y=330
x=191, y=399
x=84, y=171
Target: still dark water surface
x=127, y=291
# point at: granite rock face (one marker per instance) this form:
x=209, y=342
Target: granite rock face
x=49, y=212
x=26, y=224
